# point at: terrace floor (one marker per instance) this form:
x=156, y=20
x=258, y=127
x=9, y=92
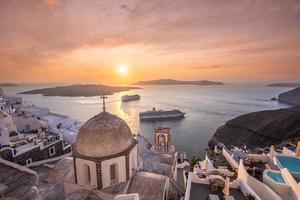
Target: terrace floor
x=180, y=178
x=202, y=191
x=218, y=160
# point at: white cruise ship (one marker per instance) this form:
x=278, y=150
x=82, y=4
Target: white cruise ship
x=161, y=114
x=127, y=98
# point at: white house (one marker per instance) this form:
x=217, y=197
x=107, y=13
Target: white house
x=8, y=130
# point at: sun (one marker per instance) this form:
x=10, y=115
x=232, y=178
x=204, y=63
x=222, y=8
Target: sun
x=122, y=69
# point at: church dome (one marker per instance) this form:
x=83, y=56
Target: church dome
x=103, y=135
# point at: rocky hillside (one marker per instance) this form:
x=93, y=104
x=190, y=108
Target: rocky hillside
x=87, y=90
x=290, y=97
x=261, y=128
x=293, y=85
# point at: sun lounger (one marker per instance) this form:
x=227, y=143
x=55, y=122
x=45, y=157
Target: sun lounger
x=213, y=197
x=229, y=198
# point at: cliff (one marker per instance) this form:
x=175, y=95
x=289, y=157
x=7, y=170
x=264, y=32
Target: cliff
x=260, y=129
x=79, y=90
x=177, y=82
x=290, y=97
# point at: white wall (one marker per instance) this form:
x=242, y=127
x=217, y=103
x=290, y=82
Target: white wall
x=4, y=137
x=22, y=121
x=132, y=160
x=17, y=102
x=230, y=159
x=133, y=196
x=81, y=175
x=6, y=122
x=292, y=182
x=105, y=169
x=261, y=189
x=6, y=126
x=280, y=188
x=246, y=189
x=36, y=111
x=287, y=152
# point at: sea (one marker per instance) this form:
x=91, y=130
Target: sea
x=206, y=108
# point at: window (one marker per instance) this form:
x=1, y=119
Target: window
x=113, y=174
x=133, y=157
x=86, y=174
x=52, y=151
x=27, y=128
x=28, y=161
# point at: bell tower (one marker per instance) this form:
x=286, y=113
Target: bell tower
x=162, y=139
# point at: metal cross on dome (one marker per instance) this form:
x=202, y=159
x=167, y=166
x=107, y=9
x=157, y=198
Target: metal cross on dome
x=103, y=97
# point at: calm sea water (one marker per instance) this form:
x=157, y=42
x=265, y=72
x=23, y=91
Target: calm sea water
x=207, y=107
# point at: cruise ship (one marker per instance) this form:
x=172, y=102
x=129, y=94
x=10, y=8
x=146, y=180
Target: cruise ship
x=161, y=114
x=127, y=98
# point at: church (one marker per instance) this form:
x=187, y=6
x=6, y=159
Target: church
x=110, y=162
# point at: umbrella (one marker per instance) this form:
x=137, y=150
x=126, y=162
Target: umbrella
x=216, y=149
x=206, y=165
x=272, y=151
x=298, y=149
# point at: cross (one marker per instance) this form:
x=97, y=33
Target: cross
x=103, y=97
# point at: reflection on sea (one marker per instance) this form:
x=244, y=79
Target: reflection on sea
x=207, y=107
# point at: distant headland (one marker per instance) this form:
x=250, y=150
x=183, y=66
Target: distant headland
x=79, y=90
x=8, y=85
x=177, y=82
x=291, y=97
x=284, y=85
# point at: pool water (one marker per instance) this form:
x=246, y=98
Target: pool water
x=292, y=164
x=277, y=177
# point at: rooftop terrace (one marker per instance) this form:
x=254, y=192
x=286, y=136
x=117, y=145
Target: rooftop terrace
x=202, y=192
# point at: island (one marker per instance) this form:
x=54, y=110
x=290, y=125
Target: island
x=177, y=82
x=291, y=97
x=86, y=90
x=260, y=129
x=284, y=85
x=8, y=85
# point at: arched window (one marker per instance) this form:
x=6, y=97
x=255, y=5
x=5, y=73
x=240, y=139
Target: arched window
x=86, y=174
x=113, y=174
x=162, y=142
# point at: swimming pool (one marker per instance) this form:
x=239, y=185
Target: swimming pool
x=292, y=164
x=275, y=176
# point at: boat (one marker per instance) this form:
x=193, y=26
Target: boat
x=127, y=98
x=161, y=114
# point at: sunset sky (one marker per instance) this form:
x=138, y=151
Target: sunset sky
x=88, y=41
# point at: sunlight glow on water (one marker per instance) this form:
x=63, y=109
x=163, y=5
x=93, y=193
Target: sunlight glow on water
x=207, y=107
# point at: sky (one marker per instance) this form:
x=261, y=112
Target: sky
x=73, y=41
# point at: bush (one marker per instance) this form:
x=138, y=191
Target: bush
x=14, y=133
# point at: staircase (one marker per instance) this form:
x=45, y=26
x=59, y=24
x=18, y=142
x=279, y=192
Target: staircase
x=175, y=187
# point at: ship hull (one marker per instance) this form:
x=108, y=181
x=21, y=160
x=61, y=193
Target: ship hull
x=130, y=98
x=162, y=117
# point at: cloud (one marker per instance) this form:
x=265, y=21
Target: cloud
x=238, y=40
x=32, y=35
x=206, y=67
x=51, y=3
x=125, y=7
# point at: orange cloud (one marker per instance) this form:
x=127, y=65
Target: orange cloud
x=155, y=39
x=51, y=2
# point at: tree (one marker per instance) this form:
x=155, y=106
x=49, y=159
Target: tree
x=193, y=162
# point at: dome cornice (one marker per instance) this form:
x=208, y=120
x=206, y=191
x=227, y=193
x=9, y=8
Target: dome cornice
x=123, y=153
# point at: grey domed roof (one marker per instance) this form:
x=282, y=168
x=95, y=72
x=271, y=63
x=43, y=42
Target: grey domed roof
x=103, y=135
